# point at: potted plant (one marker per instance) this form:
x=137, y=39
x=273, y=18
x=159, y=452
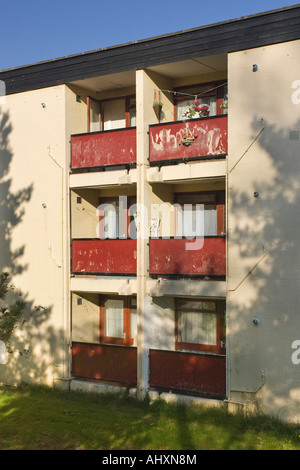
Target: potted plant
x=224, y=106
x=157, y=105
x=196, y=111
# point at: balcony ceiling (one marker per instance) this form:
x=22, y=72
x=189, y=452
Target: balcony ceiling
x=191, y=67
x=108, y=82
x=176, y=70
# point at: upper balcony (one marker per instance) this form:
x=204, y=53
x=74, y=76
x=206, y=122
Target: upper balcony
x=204, y=138
x=188, y=237
x=103, y=149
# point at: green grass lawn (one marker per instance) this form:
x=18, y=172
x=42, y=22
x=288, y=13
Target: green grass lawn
x=38, y=418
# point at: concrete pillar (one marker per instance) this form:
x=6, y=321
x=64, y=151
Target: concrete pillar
x=147, y=86
x=143, y=89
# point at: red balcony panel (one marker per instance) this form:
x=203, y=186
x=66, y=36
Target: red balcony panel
x=108, y=148
x=188, y=257
x=105, y=362
x=166, y=139
x=104, y=256
x=188, y=372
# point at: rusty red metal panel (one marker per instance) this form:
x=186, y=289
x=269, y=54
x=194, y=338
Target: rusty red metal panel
x=117, y=147
x=185, y=257
x=166, y=139
x=104, y=256
x=105, y=362
x=188, y=372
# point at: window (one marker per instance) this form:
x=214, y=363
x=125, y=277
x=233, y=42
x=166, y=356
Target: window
x=117, y=217
x=200, y=214
x=200, y=325
x=118, y=320
x=94, y=115
x=116, y=113
x=211, y=94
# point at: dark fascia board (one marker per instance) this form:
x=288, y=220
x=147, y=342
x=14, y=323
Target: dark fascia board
x=263, y=29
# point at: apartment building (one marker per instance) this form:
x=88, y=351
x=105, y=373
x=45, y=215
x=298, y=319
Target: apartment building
x=150, y=196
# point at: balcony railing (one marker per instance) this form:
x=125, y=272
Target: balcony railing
x=105, y=362
x=167, y=140
x=183, y=257
x=102, y=149
x=189, y=372
x=94, y=256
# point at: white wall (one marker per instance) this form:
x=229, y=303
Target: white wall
x=264, y=231
x=32, y=175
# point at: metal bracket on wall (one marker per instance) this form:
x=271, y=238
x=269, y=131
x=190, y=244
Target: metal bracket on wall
x=254, y=267
x=260, y=132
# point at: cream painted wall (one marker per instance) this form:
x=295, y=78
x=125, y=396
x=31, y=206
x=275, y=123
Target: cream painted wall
x=263, y=233
x=160, y=318
x=76, y=110
x=36, y=163
x=34, y=173
x=84, y=218
x=159, y=85
x=85, y=318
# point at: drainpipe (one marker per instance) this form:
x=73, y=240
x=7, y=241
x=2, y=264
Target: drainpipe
x=65, y=372
x=244, y=404
x=227, y=278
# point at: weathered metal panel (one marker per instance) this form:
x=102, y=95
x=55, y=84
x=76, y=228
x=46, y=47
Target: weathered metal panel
x=188, y=372
x=211, y=141
x=105, y=362
x=176, y=257
x=107, y=148
x=104, y=256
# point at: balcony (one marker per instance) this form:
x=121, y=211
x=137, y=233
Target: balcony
x=183, y=257
x=103, y=149
x=104, y=362
x=167, y=143
x=94, y=256
x=188, y=372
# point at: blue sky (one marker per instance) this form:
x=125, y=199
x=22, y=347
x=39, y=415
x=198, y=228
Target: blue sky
x=36, y=30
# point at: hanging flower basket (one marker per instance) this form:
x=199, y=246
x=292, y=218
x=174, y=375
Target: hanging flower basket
x=157, y=109
x=196, y=111
x=188, y=139
x=157, y=104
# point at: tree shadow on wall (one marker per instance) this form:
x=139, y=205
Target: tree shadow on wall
x=264, y=238
x=21, y=363
x=11, y=204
